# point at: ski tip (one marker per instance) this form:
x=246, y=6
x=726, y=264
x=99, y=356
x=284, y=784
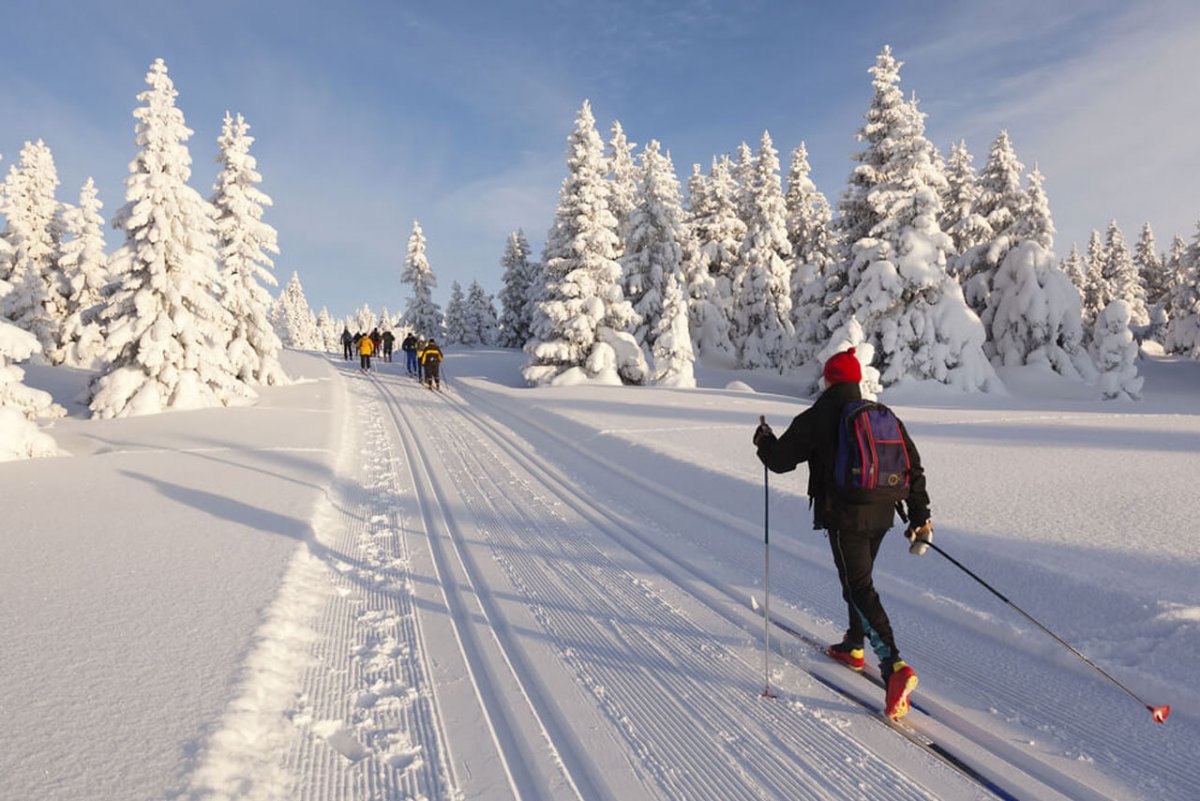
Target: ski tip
x=754, y=603
x=1160, y=713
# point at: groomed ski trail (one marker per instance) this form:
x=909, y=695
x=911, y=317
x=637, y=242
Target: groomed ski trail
x=634, y=698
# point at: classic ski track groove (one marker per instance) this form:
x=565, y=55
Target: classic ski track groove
x=702, y=776
x=1045, y=775
x=521, y=760
x=373, y=730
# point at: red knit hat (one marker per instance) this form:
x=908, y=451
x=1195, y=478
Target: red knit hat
x=843, y=368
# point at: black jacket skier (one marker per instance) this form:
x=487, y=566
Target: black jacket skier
x=855, y=530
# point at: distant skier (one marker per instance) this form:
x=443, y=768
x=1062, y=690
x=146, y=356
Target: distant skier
x=365, y=348
x=431, y=363
x=347, y=343
x=420, y=359
x=389, y=339
x=376, y=340
x=855, y=529
x=409, y=346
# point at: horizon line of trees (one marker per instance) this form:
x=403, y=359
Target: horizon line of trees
x=933, y=270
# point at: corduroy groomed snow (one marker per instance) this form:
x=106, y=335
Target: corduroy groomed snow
x=843, y=368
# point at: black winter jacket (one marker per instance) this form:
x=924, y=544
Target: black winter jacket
x=812, y=438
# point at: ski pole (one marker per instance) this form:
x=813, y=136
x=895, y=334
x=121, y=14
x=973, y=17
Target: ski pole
x=766, y=693
x=1159, y=713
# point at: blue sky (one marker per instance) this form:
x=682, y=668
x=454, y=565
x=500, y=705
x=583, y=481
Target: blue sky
x=369, y=115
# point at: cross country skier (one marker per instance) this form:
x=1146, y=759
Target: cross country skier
x=389, y=339
x=431, y=363
x=347, y=343
x=855, y=529
x=365, y=348
x=409, y=346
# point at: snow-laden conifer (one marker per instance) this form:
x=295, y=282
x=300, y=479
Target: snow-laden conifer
x=909, y=308
x=1074, y=267
x=960, y=219
x=244, y=242
x=365, y=320
x=84, y=266
x=1156, y=281
x=762, y=313
x=1001, y=203
x=672, y=342
x=623, y=186
x=654, y=240
x=421, y=314
x=299, y=325
x=716, y=235
x=582, y=320
x=697, y=286
x=516, y=301
x=1035, y=315
x=37, y=300
x=328, y=332
x=479, y=318
x=1034, y=222
x=1120, y=276
x=1151, y=267
x=809, y=226
x=1115, y=352
x=454, y=322
x=166, y=333
x=1095, y=289
x=21, y=405
x=1183, y=329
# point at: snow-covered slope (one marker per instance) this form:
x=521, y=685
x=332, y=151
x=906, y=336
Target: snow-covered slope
x=361, y=588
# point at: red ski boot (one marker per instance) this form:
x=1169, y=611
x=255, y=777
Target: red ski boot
x=901, y=680
x=851, y=656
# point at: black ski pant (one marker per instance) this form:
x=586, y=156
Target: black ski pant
x=433, y=374
x=346, y=350
x=366, y=361
x=854, y=555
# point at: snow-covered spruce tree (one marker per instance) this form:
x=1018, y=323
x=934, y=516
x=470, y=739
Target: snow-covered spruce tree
x=519, y=280
x=1115, y=353
x=1156, y=281
x=21, y=405
x=455, y=322
x=1035, y=223
x=655, y=238
x=698, y=287
x=84, y=266
x=421, y=314
x=37, y=302
x=1073, y=266
x=365, y=320
x=623, y=187
x=809, y=221
x=328, y=332
x=1121, y=277
x=582, y=320
x=966, y=227
x=1001, y=203
x=299, y=326
x=166, y=334
x=909, y=308
x=1183, y=329
x=479, y=317
x=244, y=241
x=716, y=235
x=1035, y=314
x=1095, y=289
x=762, y=314
x=672, y=342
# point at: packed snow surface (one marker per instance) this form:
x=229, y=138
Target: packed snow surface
x=361, y=588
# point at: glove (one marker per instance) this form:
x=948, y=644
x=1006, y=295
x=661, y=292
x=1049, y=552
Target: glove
x=763, y=430
x=919, y=537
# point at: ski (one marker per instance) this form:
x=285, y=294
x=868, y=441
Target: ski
x=902, y=727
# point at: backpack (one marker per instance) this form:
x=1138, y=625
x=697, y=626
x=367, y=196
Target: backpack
x=871, y=464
